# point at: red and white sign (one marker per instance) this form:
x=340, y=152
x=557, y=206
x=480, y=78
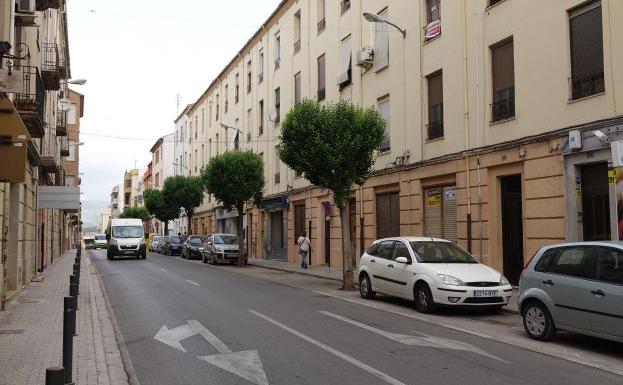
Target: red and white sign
x=432, y=30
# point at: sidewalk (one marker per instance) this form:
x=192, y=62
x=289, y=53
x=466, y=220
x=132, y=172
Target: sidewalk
x=31, y=331
x=335, y=274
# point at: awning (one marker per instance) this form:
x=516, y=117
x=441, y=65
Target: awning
x=14, y=140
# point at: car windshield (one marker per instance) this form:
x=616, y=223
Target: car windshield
x=158, y=238
x=225, y=240
x=101, y=237
x=196, y=241
x=174, y=240
x=440, y=252
x=127, y=232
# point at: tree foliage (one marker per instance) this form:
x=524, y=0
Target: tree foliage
x=235, y=178
x=183, y=192
x=135, y=212
x=157, y=205
x=332, y=145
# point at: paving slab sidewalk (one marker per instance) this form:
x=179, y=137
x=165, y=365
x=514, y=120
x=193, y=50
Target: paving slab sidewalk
x=31, y=330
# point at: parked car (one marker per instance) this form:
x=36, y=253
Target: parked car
x=156, y=244
x=221, y=248
x=126, y=238
x=193, y=247
x=576, y=287
x=172, y=245
x=431, y=272
x=100, y=242
x=89, y=243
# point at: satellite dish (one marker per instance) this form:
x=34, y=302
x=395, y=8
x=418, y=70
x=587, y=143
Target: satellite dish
x=272, y=115
x=64, y=104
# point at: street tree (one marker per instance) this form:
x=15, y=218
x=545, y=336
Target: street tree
x=235, y=178
x=161, y=209
x=333, y=146
x=135, y=212
x=183, y=192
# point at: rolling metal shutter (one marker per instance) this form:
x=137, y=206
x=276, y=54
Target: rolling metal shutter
x=388, y=215
x=440, y=217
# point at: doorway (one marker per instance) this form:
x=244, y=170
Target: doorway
x=276, y=236
x=595, y=202
x=512, y=227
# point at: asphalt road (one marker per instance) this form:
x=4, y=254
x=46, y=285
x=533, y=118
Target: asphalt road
x=245, y=330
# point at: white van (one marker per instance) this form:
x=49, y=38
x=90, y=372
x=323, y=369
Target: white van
x=126, y=237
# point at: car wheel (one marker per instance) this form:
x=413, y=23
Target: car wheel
x=423, y=299
x=538, y=322
x=212, y=259
x=365, y=287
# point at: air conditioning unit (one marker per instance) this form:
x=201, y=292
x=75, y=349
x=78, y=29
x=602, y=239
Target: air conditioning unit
x=365, y=57
x=26, y=6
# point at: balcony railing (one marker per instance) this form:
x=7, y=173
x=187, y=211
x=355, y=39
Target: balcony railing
x=30, y=102
x=61, y=123
x=297, y=46
x=50, y=73
x=64, y=146
x=322, y=25
x=503, y=107
x=49, y=149
x=43, y=5
x=345, y=6
x=587, y=85
x=62, y=61
x=435, y=130
x=385, y=144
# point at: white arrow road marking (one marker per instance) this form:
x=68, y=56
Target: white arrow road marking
x=245, y=364
x=385, y=377
x=428, y=341
x=192, y=282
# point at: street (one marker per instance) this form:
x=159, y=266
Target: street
x=183, y=322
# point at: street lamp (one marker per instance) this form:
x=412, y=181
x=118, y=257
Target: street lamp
x=374, y=18
x=78, y=82
x=238, y=132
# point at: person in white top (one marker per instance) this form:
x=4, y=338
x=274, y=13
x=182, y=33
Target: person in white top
x=304, y=248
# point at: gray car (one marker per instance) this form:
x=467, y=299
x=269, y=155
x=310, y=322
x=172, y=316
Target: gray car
x=576, y=287
x=221, y=248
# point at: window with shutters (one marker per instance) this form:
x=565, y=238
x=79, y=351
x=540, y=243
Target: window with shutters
x=321, y=78
x=587, y=52
x=322, y=22
x=260, y=68
x=297, y=32
x=237, y=89
x=297, y=88
x=226, y=98
x=388, y=215
x=299, y=221
x=433, y=10
x=435, y=106
x=277, y=105
x=277, y=53
x=249, y=75
x=345, y=74
x=440, y=216
x=503, y=67
x=381, y=47
x=218, y=107
x=384, y=111
x=249, y=124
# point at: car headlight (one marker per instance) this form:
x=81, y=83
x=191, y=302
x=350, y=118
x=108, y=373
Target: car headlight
x=450, y=280
x=504, y=281
x=218, y=250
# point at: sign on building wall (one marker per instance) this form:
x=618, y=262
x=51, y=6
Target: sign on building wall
x=58, y=197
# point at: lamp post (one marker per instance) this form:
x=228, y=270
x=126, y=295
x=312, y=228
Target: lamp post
x=374, y=18
x=238, y=132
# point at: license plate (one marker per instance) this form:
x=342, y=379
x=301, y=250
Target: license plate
x=128, y=252
x=485, y=293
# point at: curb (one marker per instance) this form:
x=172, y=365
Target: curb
x=296, y=272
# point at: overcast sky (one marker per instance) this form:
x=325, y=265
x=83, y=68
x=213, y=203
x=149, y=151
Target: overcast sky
x=137, y=56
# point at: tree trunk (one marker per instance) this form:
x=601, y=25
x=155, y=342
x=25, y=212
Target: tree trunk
x=242, y=256
x=166, y=228
x=347, y=269
x=189, y=216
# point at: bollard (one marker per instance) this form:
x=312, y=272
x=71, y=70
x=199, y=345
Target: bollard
x=55, y=376
x=78, y=252
x=68, y=339
x=73, y=293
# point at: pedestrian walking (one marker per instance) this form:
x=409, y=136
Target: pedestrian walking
x=304, y=248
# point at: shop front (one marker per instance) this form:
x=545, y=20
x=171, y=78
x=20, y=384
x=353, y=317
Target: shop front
x=275, y=228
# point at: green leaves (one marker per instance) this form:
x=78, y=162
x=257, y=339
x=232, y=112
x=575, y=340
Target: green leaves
x=234, y=178
x=136, y=213
x=181, y=191
x=157, y=205
x=332, y=145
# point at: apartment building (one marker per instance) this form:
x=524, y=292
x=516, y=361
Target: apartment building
x=181, y=144
x=69, y=120
x=130, y=188
x=490, y=106
x=33, y=73
x=163, y=158
x=114, y=202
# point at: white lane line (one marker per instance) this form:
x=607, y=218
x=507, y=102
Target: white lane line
x=192, y=282
x=385, y=377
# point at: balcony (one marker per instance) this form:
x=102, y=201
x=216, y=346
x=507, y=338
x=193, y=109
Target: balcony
x=587, y=85
x=64, y=146
x=503, y=108
x=61, y=123
x=50, y=73
x=297, y=46
x=49, y=147
x=345, y=6
x=322, y=25
x=62, y=62
x=30, y=102
x=435, y=130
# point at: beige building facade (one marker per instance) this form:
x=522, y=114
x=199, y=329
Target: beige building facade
x=484, y=100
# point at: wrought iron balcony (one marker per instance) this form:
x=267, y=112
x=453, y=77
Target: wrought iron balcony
x=43, y=5
x=50, y=73
x=49, y=150
x=64, y=146
x=587, y=85
x=503, y=107
x=30, y=102
x=61, y=123
x=62, y=62
x=435, y=130
x=322, y=25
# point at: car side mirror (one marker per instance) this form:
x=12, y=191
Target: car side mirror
x=403, y=260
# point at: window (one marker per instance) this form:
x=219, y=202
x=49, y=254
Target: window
x=237, y=137
x=203, y=121
x=217, y=145
x=344, y=6
x=435, y=106
x=388, y=215
x=260, y=123
x=401, y=250
x=587, y=52
x=277, y=53
x=157, y=179
x=209, y=149
x=277, y=105
x=226, y=97
x=345, y=75
x=210, y=115
x=297, y=32
x=128, y=183
x=260, y=68
x=196, y=159
x=297, y=88
x=385, y=250
x=503, y=106
x=203, y=154
x=611, y=266
x=544, y=261
x=321, y=78
x=381, y=51
x=237, y=90
x=249, y=124
x=277, y=166
x=574, y=262
x=322, y=22
x=249, y=76
x=433, y=10
x=218, y=106
x=157, y=156
x=383, y=105
x=196, y=125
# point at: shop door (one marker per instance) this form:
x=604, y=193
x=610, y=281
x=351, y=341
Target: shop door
x=512, y=227
x=388, y=215
x=276, y=236
x=595, y=202
x=440, y=219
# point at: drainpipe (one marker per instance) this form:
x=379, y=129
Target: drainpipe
x=466, y=106
x=476, y=55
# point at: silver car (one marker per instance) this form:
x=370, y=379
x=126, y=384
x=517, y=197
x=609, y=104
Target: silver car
x=221, y=248
x=576, y=287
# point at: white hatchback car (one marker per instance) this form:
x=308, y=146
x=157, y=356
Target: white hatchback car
x=431, y=272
